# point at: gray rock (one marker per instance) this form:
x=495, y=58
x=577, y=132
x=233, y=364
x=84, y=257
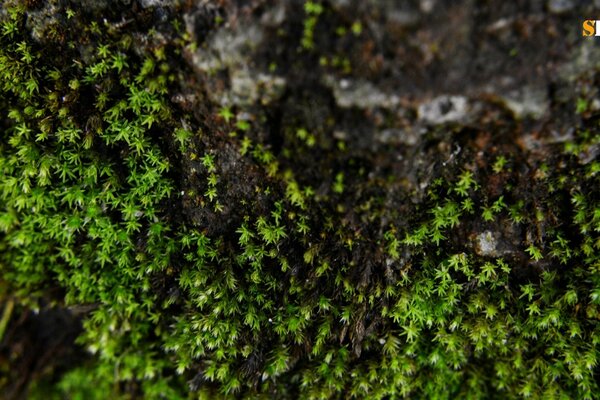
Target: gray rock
x=247, y=88
x=361, y=94
x=527, y=102
x=395, y=136
x=231, y=49
x=444, y=109
x=584, y=59
x=486, y=244
x=560, y=6
x=404, y=19
x=95, y=5
x=427, y=6
x=590, y=155
x=155, y=3
x=340, y=4
x=228, y=49
x=340, y=135
x=275, y=16
x=40, y=21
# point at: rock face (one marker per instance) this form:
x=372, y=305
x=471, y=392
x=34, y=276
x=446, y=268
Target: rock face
x=390, y=75
x=434, y=60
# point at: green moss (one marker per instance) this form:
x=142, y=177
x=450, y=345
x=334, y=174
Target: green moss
x=269, y=280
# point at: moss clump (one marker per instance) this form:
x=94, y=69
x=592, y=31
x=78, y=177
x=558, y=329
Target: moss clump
x=213, y=261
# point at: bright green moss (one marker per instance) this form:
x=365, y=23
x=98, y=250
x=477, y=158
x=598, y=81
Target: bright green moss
x=286, y=296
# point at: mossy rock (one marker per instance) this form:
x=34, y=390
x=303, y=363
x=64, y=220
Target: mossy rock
x=317, y=199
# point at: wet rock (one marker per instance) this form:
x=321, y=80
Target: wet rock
x=444, y=109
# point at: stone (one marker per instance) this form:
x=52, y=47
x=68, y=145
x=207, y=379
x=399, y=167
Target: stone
x=427, y=6
x=444, y=109
x=560, y=6
x=486, y=244
x=403, y=19
x=360, y=94
x=527, y=102
x=155, y=3
x=393, y=136
x=247, y=88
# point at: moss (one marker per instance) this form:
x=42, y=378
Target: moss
x=282, y=265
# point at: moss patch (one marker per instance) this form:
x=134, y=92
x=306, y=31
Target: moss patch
x=287, y=243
